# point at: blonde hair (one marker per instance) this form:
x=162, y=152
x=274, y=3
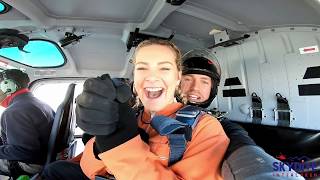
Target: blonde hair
x=161, y=42
x=178, y=61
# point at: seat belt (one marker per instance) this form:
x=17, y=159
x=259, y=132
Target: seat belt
x=256, y=110
x=282, y=112
x=178, y=130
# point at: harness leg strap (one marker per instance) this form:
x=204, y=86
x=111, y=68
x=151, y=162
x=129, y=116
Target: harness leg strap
x=178, y=145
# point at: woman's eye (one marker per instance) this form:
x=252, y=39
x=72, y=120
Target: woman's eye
x=141, y=68
x=165, y=69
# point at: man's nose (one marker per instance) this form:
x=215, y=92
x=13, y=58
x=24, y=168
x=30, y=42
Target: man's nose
x=195, y=85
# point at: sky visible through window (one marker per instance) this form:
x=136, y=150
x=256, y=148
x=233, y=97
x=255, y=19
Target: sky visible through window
x=53, y=94
x=2, y=8
x=39, y=53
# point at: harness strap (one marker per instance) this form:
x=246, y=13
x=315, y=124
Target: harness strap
x=256, y=111
x=282, y=111
x=177, y=143
x=178, y=130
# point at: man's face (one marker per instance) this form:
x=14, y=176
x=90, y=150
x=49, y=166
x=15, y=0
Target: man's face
x=196, y=87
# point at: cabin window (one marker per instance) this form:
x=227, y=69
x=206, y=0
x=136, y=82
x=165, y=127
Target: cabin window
x=4, y=8
x=37, y=53
x=53, y=92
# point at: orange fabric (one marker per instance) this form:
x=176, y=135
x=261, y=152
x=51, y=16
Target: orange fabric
x=89, y=164
x=138, y=160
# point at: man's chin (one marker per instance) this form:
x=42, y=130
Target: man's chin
x=194, y=102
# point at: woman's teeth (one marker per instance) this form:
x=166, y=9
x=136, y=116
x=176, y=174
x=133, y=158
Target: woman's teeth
x=153, y=93
x=154, y=89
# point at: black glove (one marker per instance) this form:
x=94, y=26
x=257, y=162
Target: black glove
x=127, y=128
x=238, y=136
x=86, y=137
x=97, y=109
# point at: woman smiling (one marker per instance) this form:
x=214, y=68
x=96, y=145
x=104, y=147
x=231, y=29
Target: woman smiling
x=156, y=145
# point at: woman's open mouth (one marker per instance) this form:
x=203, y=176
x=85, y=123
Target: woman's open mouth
x=153, y=92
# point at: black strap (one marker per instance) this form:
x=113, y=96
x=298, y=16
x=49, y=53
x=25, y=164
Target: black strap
x=283, y=110
x=256, y=108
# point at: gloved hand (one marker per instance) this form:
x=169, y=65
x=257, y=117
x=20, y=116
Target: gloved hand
x=127, y=128
x=97, y=109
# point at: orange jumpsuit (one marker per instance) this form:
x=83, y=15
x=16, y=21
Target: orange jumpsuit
x=137, y=160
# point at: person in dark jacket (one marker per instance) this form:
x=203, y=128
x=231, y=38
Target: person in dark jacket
x=199, y=86
x=25, y=126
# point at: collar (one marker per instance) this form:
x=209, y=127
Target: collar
x=169, y=110
x=6, y=102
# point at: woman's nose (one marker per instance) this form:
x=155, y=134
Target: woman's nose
x=152, y=76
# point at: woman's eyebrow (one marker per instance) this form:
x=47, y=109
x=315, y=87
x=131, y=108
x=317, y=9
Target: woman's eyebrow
x=165, y=62
x=143, y=63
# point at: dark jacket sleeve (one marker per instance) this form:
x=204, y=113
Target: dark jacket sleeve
x=238, y=136
x=21, y=137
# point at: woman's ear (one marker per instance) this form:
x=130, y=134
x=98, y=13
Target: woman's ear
x=134, y=91
x=179, y=78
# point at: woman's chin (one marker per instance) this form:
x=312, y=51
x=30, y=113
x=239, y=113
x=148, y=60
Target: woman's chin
x=154, y=106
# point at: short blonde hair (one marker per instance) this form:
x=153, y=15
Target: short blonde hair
x=161, y=42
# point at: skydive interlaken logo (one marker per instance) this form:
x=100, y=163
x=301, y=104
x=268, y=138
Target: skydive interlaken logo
x=293, y=166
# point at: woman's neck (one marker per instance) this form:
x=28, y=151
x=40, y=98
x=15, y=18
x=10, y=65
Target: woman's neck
x=152, y=114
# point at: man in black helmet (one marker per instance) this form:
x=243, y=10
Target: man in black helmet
x=201, y=77
x=25, y=126
x=199, y=86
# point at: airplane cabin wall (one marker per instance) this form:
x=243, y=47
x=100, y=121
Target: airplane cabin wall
x=267, y=63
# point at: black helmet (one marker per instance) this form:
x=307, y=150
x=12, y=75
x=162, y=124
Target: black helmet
x=203, y=62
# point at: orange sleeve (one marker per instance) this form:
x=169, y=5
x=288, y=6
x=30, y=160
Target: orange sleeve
x=89, y=164
x=202, y=159
x=204, y=154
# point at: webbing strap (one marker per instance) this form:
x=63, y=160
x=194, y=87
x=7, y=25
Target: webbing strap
x=178, y=130
x=165, y=125
x=177, y=143
x=283, y=110
x=256, y=108
x=175, y=131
